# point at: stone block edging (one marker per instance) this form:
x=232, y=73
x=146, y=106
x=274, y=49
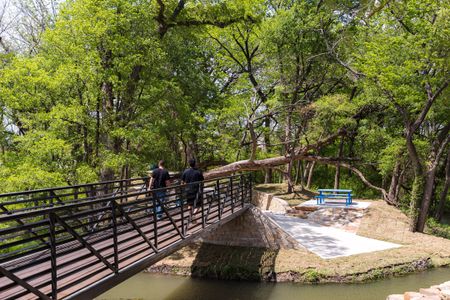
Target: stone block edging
x=265, y=201
x=438, y=292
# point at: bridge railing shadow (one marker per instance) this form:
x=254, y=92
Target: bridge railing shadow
x=50, y=249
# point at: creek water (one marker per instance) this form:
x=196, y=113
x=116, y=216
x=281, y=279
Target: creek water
x=150, y=286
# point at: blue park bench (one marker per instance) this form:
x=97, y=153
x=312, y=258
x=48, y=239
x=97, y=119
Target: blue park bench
x=334, y=194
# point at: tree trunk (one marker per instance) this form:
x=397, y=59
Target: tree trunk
x=443, y=196
x=107, y=112
x=395, y=182
x=306, y=170
x=299, y=178
x=310, y=175
x=288, y=150
x=97, y=132
x=268, y=177
x=417, y=187
x=337, y=175
x=426, y=199
x=288, y=177
x=107, y=174
x=434, y=158
x=268, y=172
x=254, y=143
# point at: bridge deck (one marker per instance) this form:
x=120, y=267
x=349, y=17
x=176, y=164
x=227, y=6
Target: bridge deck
x=103, y=240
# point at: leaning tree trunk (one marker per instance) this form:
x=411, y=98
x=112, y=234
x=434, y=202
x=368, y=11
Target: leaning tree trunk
x=426, y=199
x=310, y=175
x=254, y=165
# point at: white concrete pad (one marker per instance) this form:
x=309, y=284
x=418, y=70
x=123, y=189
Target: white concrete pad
x=336, y=204
x=327, y=242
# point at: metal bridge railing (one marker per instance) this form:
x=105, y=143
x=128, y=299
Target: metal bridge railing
x=50, y=250
x=36, y=199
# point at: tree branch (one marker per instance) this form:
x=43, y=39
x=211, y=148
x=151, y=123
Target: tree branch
x=430, y=100
x=256, y=165
x=177, y=10
x=220, y=24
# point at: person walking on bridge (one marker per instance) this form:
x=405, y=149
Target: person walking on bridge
x=189, y=177
x=160, y=179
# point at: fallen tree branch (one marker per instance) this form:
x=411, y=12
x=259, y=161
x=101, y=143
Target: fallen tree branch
x=256, y=165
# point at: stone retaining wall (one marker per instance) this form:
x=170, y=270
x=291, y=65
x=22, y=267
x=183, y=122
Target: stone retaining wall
x=251, y=229
x=266, y=201
x=435, y=292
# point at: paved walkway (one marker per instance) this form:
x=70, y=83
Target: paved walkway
x=325, y=241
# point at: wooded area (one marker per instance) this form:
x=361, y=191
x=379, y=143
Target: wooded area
x=350, y=93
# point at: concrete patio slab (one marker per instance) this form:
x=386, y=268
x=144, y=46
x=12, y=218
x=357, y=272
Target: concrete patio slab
x=327, y=242
x=335, y=204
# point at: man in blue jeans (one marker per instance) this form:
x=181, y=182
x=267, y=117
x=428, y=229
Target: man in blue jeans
x=160, y=179
x=193, y=176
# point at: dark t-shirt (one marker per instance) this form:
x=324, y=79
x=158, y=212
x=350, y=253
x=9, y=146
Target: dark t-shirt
x=192, y=175
x=160, y=176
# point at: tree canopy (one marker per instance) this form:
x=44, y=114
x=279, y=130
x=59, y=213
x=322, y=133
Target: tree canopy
x=313, y=93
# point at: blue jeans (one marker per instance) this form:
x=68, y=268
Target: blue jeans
x=160, y=195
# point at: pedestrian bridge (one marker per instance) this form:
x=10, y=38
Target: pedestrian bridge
x=77, y=242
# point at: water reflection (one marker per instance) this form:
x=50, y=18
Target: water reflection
x=149, y=287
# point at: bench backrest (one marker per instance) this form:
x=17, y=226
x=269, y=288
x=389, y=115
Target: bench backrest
x=334, y=191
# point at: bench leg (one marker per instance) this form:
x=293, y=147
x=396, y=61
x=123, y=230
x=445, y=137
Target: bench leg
x=320, y=200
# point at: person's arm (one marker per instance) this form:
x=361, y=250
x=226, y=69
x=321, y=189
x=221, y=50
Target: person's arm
x=183, y=178
x=150, y=183
x=152, y=179
x=167, y=179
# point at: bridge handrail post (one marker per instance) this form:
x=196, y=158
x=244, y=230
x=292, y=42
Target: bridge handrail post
x=202, y=202
x=241, y=189
x=155, y=220
x=52, y=231
x=183, y=221
x=230, y=183
x=250, y=181
x=115, y=239
x=217, y=190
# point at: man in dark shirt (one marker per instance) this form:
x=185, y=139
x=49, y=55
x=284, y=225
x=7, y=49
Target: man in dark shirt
x=160, y=179
x=192, y=175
